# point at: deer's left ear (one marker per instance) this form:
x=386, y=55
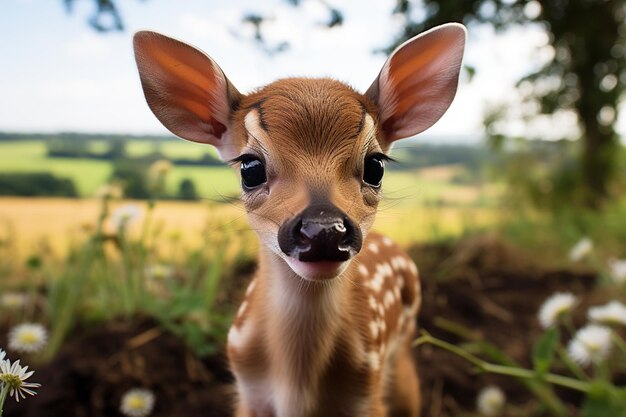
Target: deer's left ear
x=419, y=80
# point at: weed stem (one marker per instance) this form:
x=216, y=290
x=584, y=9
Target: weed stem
x=500, y=369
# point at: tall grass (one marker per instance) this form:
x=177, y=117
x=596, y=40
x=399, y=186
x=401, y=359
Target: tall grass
x=113, y=273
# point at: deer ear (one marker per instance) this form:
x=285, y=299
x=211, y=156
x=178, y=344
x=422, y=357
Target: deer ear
x=186, y=90
x=419, y=80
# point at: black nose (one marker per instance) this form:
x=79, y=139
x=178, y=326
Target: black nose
x=320, y=233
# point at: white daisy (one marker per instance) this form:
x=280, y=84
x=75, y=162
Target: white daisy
x=490, y=401
x=617, y=269
x=2, y=355
x=137, y=402
x=555, y=308
x=611, y=313
x=28, y=337
x=590, y=344
x=12, y=300
x=124, y=215
x=14, y=377
x=581, y=249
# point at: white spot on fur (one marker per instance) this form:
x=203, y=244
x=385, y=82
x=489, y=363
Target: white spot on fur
x=413, y=267
x=402, y=262
x=374, y=360
x=373, y=247
x=381, y=310
x=242, y=309
x=377, y=282
x=396, y=293
x=363, y=270
x=374, y=329
x=251, y=287
x=386, y=241
x=237, y=336
x=373, y=303
x=253, y=125
x=389, y=299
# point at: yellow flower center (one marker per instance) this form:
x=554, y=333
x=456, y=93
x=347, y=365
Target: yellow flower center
x=11, y=380
x=136, y=402
x=28, y=338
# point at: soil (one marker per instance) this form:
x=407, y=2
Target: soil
x=481, y=284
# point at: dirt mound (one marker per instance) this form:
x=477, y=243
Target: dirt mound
x=490, y=289
x=92, y=372
x=492, y=292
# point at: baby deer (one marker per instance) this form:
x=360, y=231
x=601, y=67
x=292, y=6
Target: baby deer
x=327, y=322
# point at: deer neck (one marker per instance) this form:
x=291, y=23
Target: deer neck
x=303, y=321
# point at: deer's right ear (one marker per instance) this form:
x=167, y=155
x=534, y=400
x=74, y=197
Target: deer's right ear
x=186, y=90
x=418, y=82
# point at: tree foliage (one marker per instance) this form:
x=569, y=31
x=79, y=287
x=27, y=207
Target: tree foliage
x=586, y=74
x=106, y=16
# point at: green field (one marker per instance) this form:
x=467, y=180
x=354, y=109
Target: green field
x=212, y=183
x=30, y=156
x=89, y=174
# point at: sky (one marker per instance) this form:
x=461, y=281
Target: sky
x=58, y=74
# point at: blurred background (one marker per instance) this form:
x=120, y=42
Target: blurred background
x=111, y=229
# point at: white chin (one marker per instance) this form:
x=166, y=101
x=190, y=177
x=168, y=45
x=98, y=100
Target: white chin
x=317, y=271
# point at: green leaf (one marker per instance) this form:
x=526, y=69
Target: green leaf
x=604, y=400
x=543, y=351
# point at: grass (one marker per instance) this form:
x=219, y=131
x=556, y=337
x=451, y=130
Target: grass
x=212, y=183
x=173, y=149
x=55, y=225
x=30, y=156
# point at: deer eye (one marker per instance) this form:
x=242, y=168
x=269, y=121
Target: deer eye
x=373, y=170
x=252, y=172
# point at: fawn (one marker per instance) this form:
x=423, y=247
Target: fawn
x=327, y=322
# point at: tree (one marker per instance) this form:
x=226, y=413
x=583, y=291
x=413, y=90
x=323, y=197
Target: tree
x=187, y=190
x=587, y=73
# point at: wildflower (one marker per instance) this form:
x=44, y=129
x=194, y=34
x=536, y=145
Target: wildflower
x=28, y=337
x=2, y=355
x=125, y=215
x=611, y=313
x=110, y=191
x=555, y=308
x=158, y=271
x=590, y=344
x=13, y=300
x=617, y=268
x=160, y=167
x=490, y=401
x=137, y=402
x=581, y=249
x=13, y=378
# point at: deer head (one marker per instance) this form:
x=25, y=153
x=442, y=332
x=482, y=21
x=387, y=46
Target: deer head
x=310, y=152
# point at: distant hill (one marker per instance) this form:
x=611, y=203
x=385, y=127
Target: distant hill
x=417, y=152
x=12, y=136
